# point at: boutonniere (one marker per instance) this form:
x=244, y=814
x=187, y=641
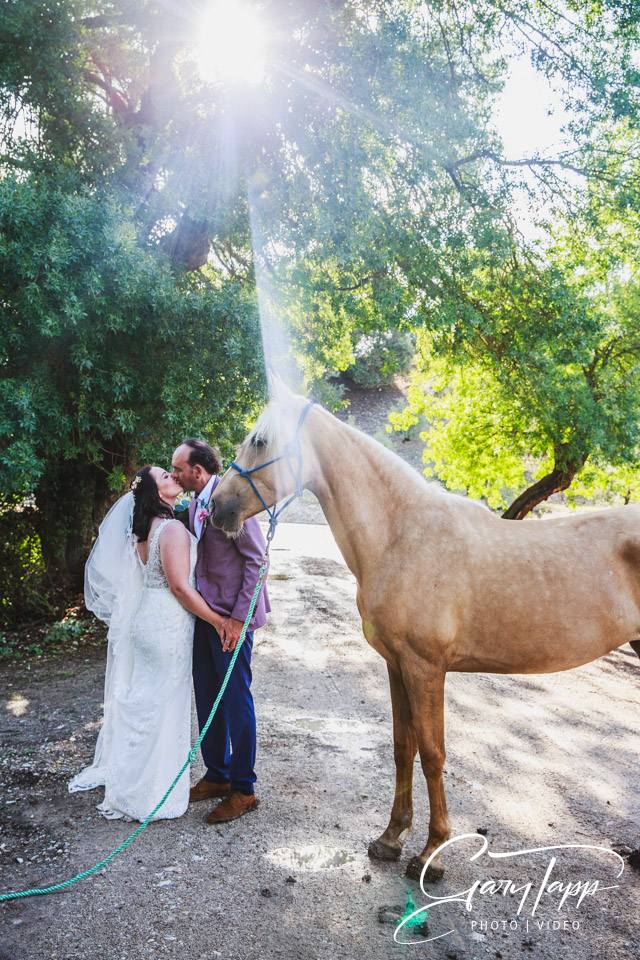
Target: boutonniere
x=204, y=516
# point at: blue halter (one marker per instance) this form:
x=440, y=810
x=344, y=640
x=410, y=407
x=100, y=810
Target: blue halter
x=292, y=450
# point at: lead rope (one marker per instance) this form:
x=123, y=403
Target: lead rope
x=190, y=757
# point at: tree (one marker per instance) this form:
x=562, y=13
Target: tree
x=113, y=347
x=112, y=360
x=146, y=213
x=548, y=382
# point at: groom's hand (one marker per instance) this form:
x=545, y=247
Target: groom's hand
x=231, y=633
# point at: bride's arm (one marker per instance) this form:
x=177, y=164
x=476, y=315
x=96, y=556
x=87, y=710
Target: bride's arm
x=174, y=552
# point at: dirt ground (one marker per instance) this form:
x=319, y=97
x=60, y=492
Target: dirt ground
x=532, y=762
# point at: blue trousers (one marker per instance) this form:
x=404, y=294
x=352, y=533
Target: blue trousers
x=229, y=746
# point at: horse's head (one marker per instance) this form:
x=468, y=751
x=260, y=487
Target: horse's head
x=276, y=458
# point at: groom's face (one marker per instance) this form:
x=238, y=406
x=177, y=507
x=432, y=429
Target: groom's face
x=189, y=478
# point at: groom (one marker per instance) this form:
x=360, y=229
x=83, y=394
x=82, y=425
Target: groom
x=227, y=571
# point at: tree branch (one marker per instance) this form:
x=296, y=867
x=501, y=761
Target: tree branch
x=102, y=20
x=532, y=162
x=112, y=98
x=559, y=479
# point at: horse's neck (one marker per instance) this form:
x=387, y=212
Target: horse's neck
x=366, y=494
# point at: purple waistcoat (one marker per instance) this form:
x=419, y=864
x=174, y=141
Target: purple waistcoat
x=228, y=569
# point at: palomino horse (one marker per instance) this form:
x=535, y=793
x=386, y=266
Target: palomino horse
x=443, y=584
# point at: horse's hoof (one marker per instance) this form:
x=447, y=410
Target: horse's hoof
x=433, y=873
x=383, y=850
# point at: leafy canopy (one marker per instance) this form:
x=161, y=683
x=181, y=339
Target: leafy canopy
x=147, y=218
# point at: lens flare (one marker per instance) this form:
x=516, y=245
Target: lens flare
x=231, y=43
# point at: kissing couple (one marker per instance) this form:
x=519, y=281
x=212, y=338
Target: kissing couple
x=175, y=601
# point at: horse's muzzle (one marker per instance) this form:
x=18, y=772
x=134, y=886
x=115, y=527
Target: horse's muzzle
x=226, y=517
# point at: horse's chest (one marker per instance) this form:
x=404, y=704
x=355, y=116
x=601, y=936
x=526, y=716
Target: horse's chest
x=375, y=640
x=373, y=636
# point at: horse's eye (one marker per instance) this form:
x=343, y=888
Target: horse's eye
x=258, y=442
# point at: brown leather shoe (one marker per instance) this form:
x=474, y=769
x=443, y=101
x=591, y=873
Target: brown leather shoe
x=235, y=805
x=204, y=790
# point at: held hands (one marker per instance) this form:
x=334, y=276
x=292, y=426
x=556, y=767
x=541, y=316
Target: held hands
x=218, y=622
x=230, y=630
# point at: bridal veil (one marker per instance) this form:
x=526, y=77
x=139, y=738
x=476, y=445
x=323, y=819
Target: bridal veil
x=113, y=581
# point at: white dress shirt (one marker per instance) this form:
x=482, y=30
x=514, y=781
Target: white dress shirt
x=203, y=499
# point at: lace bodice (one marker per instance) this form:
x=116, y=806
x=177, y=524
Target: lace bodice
x=154, y=575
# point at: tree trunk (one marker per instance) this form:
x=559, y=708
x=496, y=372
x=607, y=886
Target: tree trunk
x=559, y=479
x=188, y=244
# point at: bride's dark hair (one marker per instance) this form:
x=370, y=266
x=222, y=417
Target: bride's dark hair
x=147, y=503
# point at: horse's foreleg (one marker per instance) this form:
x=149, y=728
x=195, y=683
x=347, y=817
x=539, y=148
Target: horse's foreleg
x=388, y=846
x=425, y=687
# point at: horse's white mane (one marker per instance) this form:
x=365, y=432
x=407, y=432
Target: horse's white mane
x=268, y=425
x=268, y=429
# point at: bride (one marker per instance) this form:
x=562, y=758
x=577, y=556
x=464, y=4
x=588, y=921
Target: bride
x=140, y=580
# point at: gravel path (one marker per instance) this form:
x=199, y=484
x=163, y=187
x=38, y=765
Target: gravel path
x=532, y=761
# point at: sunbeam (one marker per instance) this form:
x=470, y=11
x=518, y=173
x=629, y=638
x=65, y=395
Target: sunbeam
x=279, y=356
x=231, y=43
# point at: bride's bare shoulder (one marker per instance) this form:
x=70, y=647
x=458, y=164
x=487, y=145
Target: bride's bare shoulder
x=174, y=534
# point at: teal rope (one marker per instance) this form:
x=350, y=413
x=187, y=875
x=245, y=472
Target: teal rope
x=190, y=758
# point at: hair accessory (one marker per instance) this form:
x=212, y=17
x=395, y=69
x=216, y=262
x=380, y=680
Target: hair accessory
x=134, y=483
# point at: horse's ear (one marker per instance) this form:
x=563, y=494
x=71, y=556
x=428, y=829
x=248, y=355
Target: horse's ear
x=277, y=387
x=275, y=384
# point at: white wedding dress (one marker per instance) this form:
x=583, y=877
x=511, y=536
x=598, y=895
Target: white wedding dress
x=146, y=734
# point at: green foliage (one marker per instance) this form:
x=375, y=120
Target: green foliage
x=67, y=630
x=474, y=441
x=64, y=636
x=109, y=358
x=538, y=374
x=329, y=393
x=104, y=344
x=606, y=485
x=148, y=217
x=25, y=585
x=380, y=356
